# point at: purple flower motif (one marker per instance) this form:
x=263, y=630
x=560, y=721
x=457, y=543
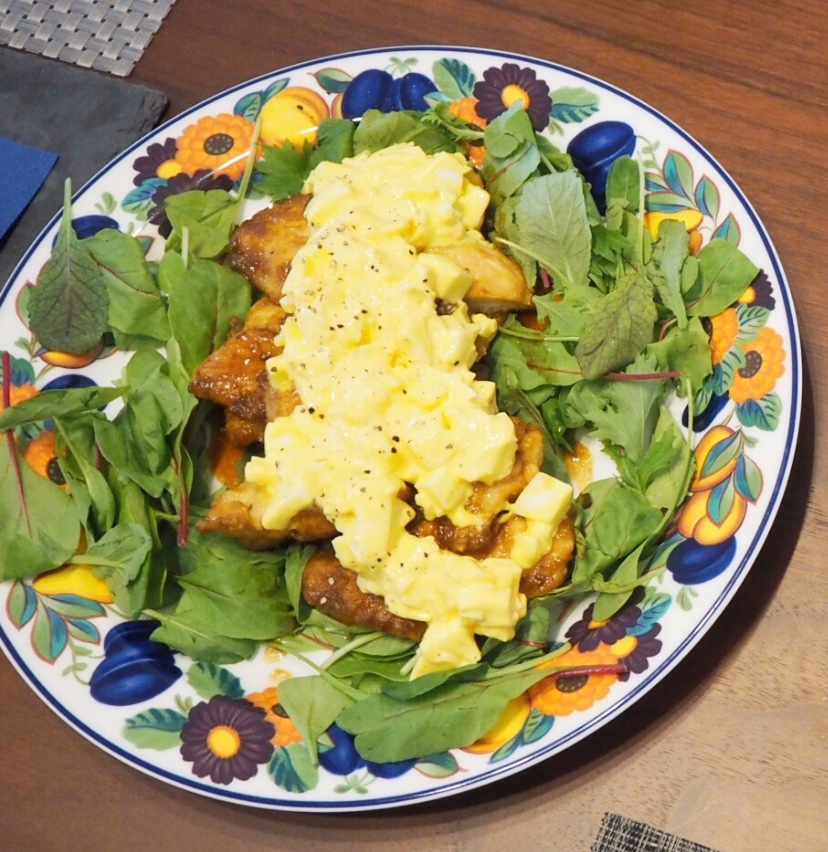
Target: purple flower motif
x=226, y=738
x=587, y=635
x=152, y=164
x=637, y=660
x=203, y=179
x=501, y=87
x=760, y=293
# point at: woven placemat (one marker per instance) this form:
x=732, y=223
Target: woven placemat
x=621, y=834
x=107, y=36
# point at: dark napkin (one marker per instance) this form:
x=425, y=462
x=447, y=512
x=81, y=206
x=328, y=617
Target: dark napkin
x=621, y=834
x=84, y=117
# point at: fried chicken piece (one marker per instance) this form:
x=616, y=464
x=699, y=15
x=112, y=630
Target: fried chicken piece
x=235, y=376
x=498, y=283
x=333, y=589
x=237, y=513
x=486, y=499
x=263, y=247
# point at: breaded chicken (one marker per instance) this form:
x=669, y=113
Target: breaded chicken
x=237, y=513
x=263, y=247
x=235, y=376
x=333, y=589
x=486, y=499
x=498, y=283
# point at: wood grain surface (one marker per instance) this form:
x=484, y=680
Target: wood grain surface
x=731, y=749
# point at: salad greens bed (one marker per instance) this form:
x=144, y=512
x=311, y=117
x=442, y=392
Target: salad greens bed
x=621, y=333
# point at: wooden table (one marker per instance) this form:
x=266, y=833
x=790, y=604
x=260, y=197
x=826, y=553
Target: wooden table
x=731, y=749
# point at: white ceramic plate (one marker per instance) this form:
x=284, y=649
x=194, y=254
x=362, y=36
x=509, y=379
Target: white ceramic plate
x=55, y=634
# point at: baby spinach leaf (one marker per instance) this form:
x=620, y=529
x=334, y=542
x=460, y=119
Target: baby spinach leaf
x=624, y=184
x=203, y=299
x=136, y=307
x=617, y=518
x=452, y=715
x=378, y=130
x=39, y=529
x=207, y=216
x=57, y=403
x=313, y=704
x=239, y=594
x=725, y=274
x=76, y=450
x=184, y=631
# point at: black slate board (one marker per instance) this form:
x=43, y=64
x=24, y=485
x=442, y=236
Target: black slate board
x=84, y=117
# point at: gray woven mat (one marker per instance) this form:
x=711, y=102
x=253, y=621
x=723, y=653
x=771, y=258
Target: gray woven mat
x=620, y=834
x=107, y=36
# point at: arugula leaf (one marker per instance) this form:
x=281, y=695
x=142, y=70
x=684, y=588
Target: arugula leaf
x=621, y=326
x=567, y=310
x=68, y=306
x=670, y=252
x=552, y=227
x=512, y=154
x=619, y=412
x=685, y=351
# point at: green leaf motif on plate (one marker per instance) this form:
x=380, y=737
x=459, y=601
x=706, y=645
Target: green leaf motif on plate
x=763, y=413
x=453, y=78
x=572, y=105
x=292, y=768
x=333, y=80
x=679, y=175
x=158, y=729
x=208, y=680
x=249, y=106
x=22, y=603
x=441, y=765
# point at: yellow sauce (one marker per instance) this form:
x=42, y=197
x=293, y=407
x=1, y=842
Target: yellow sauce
x=389, y=398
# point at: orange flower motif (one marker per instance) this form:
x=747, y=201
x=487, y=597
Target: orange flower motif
x=42, y=458
x=219, y=143
x=725, y=328
x=465, y=108
x=764, y=364
x=560, y=695
x=19, y=393
x=268, y=700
